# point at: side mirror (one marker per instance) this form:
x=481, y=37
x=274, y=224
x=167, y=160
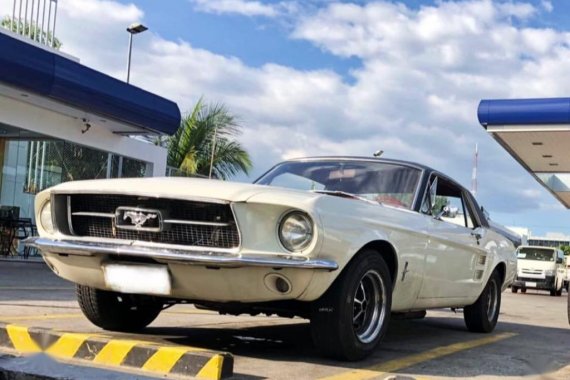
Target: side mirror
x=559, y=260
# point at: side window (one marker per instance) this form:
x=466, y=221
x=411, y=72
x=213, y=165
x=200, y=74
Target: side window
x=449, y=205
x=453, y=210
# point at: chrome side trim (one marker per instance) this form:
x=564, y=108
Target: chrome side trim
x=204, y=258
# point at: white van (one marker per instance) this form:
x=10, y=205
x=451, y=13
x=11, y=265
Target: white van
x=567, y=277
x=541, y=268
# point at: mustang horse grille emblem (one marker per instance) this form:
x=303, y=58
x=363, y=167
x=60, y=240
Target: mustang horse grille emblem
x=138, y=219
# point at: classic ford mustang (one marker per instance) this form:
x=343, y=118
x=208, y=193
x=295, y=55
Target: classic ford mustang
x=343, y=241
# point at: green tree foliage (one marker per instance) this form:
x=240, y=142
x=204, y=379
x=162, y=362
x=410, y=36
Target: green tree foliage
x=208, y=126
x=565, y=249
x=30, y=30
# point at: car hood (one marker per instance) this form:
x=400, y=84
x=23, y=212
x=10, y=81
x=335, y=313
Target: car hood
x=180, y=188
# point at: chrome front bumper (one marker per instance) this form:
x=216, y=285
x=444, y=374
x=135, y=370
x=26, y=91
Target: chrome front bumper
x=204, y=258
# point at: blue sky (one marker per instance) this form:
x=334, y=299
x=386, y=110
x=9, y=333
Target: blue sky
x=318, y=77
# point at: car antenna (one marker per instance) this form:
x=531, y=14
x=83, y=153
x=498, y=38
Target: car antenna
x=378, y=153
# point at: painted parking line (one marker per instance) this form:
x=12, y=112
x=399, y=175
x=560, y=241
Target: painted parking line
x=9, y=318
x=120, y=354
x=411, y=360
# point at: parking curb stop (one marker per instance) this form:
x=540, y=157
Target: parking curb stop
x=118, y=353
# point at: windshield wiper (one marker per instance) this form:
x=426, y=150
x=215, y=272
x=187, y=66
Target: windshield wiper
x=344, y=194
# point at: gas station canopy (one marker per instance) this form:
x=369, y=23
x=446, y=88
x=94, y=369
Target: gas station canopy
x=536, y=132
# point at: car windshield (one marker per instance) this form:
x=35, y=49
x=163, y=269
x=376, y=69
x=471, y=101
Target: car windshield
x=389, y=183
x=537, y=254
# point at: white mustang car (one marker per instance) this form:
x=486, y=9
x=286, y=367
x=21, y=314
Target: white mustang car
x=342, y=241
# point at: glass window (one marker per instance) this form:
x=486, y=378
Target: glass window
x=449, y=203
x=49, y=162
x=536, y=254
x=385, y=182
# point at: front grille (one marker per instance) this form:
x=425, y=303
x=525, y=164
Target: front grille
x=531, y=271
x=189, y=223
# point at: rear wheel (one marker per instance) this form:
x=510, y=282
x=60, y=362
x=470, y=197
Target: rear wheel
x=514, y=289
x=523, y=290
x=553, y=293
x=351, y=318
x=482, y=316
x=116, y=311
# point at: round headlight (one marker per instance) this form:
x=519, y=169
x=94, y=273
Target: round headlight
x=296, y=231
x=46, y=218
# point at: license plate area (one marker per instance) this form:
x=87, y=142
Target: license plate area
x=138, y=279
x=530, y=284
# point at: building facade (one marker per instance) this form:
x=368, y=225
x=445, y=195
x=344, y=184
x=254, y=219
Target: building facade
x=62, y=121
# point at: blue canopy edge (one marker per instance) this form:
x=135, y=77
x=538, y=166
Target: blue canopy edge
x=44, y=73
x=524, y=111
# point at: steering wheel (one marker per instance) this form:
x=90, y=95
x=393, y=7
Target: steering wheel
x=390, y=200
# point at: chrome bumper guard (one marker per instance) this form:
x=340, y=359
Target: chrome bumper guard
x=205, y=258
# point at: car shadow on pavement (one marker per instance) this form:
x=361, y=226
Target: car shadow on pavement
x=532, y=351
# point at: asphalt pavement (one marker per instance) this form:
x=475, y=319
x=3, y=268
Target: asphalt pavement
x=532, y=339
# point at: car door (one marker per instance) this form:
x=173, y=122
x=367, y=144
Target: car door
x=455, y=259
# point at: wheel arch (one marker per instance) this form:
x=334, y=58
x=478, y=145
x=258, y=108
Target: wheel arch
x=388, y=253
x=501, y=268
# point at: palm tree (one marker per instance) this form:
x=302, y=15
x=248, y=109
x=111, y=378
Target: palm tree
x=208, y=126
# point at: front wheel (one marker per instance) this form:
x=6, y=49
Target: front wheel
x=483, y=315
x=514, y=289
x=116, y=311
x=350, y=319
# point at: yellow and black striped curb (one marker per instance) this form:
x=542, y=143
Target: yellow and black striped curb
x=109, y=352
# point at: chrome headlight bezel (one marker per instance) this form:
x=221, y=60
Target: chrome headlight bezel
x=46, y=217
x=299, y=220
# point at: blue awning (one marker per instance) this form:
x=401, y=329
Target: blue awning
x=44, y=73
x=524, y=111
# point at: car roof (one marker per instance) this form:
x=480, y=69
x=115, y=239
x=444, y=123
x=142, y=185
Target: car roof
x=363, y=158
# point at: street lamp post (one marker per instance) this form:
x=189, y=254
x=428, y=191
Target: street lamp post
x=133, y=29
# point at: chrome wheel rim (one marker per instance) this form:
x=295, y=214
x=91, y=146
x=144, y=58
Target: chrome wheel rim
x=492, y=300
x=369, y=308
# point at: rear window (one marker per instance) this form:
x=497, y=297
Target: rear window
x=538, y=254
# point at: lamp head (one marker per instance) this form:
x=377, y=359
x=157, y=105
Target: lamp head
x=136, y=28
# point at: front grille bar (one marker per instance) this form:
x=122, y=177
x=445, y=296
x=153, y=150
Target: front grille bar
x=166, y=221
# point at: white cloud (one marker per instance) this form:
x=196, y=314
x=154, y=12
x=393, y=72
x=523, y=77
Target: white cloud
x=547, y=5
x=242, y=7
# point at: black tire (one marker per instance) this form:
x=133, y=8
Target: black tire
x=523, y=290
x=116, y=311
x=553, y=293
x=514, y=289
x=559, y=292
x=336, y=316
x=483, y=315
